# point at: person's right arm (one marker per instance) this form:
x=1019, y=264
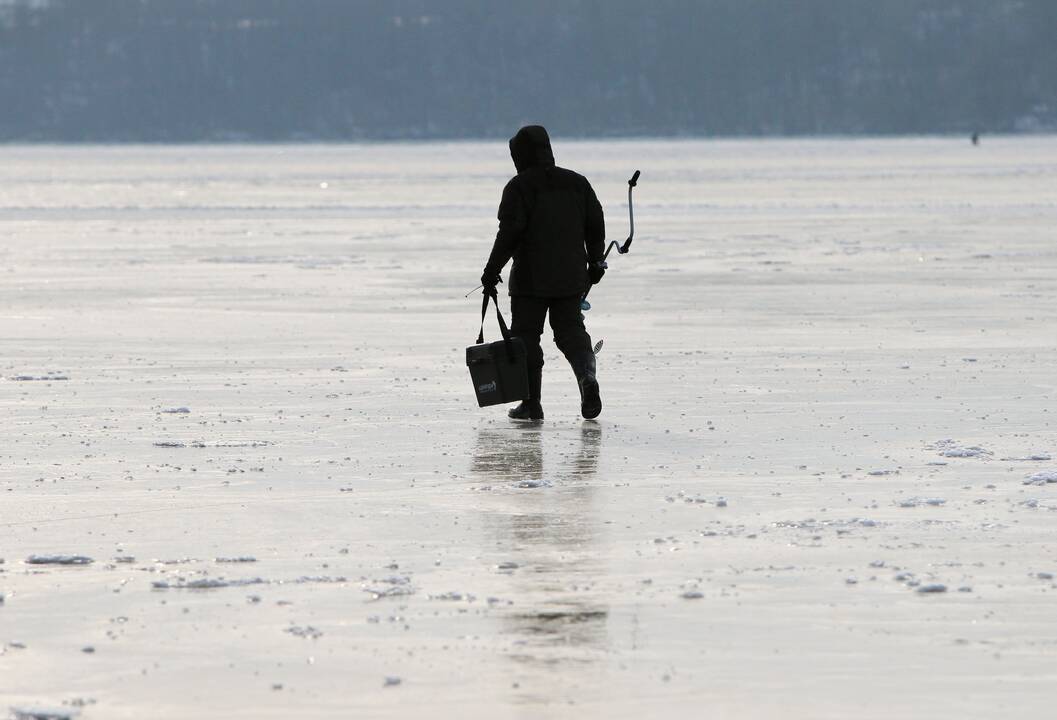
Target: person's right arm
x=512, y=224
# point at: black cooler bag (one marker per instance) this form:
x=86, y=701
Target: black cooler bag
x=499, y=370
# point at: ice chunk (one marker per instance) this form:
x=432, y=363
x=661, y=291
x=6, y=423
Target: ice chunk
x=38, y=378
x=59, y=560
x=306, y=631
x=454, y=596
x=1042, y=478
x=932, y=588
x=43, y=713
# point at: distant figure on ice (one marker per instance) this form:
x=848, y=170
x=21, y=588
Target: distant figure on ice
x=976, y=138
x=551, y=224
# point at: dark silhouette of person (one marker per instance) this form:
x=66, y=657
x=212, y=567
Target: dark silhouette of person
x=551, y=224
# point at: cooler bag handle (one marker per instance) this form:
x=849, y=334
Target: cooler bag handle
x=502, y=323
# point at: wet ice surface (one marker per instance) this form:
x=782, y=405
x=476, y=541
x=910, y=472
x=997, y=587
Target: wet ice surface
x=828, y=381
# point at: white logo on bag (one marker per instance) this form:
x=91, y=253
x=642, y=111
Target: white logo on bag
x=487, y=387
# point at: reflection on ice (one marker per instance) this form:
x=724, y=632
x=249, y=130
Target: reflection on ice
x=553, y=540
x=515, y=454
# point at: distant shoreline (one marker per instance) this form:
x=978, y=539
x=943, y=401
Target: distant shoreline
x=14, y=142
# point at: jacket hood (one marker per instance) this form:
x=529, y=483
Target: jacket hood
x=531, y=147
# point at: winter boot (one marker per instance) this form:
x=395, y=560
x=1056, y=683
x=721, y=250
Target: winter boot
x=530, y=409
x=527, y=410
x=590, y=400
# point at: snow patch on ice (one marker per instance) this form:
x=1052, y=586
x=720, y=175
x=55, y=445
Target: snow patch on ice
x=952, y=449
x=229, y=443
x=205, y=583
x=920, y=501
x=696, y=499
x=306, y=262
x=306, y=579
x=813, y=525
x=966, y=452
x=38, y=378
x=181, y=583
x=212, y=444
x=398, y=585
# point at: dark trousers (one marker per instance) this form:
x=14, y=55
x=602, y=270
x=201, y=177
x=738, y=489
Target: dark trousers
x=567, y=322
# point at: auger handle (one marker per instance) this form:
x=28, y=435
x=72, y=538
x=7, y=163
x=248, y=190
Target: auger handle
x=621, y=249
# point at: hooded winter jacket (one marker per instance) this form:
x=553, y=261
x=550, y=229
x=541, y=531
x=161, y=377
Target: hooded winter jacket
x=550, y=222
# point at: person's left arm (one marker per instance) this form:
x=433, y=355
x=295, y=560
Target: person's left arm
x=594, y=235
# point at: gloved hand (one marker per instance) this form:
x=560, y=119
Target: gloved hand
x=490, y=280
x=596, y=270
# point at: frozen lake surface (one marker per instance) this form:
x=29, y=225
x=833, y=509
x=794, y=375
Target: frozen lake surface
x=243, y=475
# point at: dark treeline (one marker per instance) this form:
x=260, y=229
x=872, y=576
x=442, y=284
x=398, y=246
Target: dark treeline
x=191, y=70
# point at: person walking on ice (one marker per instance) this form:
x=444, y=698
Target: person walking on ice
x=551, y=224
